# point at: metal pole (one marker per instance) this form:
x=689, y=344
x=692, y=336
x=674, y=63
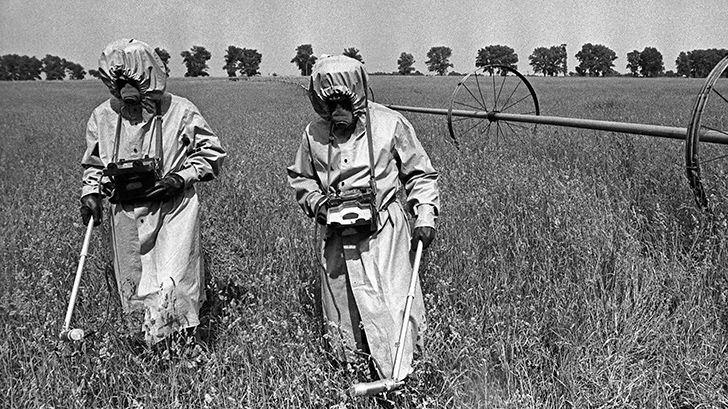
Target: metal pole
x=76, y=283
x=621, y=127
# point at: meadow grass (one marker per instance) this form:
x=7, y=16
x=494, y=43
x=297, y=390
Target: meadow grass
x=571, y=268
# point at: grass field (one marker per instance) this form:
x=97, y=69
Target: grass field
x=571, y=268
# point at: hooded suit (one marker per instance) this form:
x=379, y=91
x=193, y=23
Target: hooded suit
x=156, y=244
x=365, y=275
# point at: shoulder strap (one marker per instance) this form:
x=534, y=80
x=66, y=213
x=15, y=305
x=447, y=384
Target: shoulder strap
x=156, y=129
x=117, y=138
x=158, y=133
x=372, y=175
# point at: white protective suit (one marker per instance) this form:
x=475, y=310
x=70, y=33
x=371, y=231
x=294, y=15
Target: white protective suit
x=157, y=255
x=366, y=276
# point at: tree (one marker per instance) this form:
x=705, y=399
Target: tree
x=405, y=63
x=651, y=62
x=8, y=63
x=164, y=56
x=540, y=60
x=498, y=55
x=633, y=62
x=699, y=63
x=54, y=67
x=9, y=67
x=595, y=60
x=438, y=59
x=245, y=60
x=196, y=61
x=683, y=64
x=14, y=67
x=30, y=68
x=75, y=71
x=564, y=67
x=548, y=61
x=304, y=59
x=94, y=73
x=232, y=59
x=249, y=62
x=353, y=53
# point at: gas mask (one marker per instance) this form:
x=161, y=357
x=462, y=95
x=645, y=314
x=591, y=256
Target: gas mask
x=341, y=111
x=130, y=95
x=132, y=103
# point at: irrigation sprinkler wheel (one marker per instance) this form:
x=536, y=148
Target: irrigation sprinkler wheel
x=505, y=91
x=706, y=164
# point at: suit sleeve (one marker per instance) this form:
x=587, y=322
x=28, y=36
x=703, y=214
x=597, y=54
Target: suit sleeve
x=303, y=179
x=205, y=154
x=91, y=161
x=417, y=175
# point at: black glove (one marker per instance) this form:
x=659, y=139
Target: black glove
x=168, y=187
x=424, y=234
x=322, y=211
x=91, y=207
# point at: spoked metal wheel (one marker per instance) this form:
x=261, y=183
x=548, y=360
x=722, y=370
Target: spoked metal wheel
x=707, y=163
x=491, y=89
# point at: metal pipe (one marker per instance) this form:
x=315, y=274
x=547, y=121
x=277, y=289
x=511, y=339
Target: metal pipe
x=706, y=135
x=76, y=334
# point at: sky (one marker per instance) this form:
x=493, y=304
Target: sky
x=78, y=30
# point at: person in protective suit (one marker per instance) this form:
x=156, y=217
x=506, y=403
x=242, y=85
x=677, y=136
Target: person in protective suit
x=367, y=266
x=146, y=149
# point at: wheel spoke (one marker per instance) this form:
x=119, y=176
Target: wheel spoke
x=495, y=103
x=715, y=159
x=476, y=124
x=518, y=125
x=474, y=97
x=487, y=128
x=511, y=96
x=467, y=105
x=516, y=103
x=480, y=91
x=720, y=95
x=495, y=100
x=499, y=132
x=518, y=135
x=714, y=129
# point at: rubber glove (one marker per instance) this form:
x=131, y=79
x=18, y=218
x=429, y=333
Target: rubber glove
x=425, y=234
x=91, y=207
x=167, y=188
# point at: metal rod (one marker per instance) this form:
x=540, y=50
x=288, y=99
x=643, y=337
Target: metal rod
x=79, y=271
x=406, y=316
x=706, y=135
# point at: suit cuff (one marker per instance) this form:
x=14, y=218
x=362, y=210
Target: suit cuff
x=313, y=202
x=89, y=189
x=426, y=215
x=189, y=175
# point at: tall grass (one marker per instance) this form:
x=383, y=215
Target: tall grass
x=571, y=268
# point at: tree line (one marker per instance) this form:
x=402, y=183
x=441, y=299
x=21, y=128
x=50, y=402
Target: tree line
x=595, y=60
x=14, y=67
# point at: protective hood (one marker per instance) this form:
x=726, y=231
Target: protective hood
x=134, y=62
x=338, y=75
